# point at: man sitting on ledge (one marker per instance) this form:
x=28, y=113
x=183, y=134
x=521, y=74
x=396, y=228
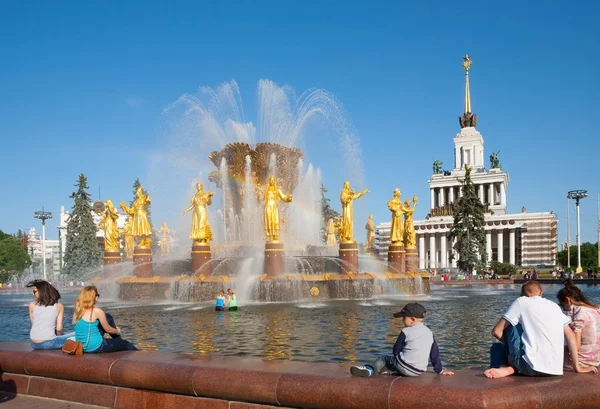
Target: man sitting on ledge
x=532, y=333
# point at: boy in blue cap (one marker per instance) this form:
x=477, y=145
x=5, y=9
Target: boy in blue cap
x=412, y=351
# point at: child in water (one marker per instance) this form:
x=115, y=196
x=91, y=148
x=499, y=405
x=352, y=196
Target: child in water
x=231, y=301
x=220, y=306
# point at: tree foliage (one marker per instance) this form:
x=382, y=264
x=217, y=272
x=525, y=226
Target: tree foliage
x=82, y=252
x=589, y=256
x=503, y=268
x=14, y=259
x=469, y=227
x=327, y=212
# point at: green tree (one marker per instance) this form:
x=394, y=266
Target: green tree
x=155, y=242
x=327, y=212
x=14, y=259
x=468, y=228
x=82, y=252
x=589, y=256
x=503, y=268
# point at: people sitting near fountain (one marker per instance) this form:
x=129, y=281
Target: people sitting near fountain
x=585, y=323
x=46, y=316
x=88, y=319
x=531, y=335
x=220, y=305
x=231, y=300
x=413, y=348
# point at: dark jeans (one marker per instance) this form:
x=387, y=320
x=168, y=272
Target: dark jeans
x=389, y=362
x=114, y=344
x=510, y=352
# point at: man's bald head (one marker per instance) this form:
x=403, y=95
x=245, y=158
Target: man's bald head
x=531, y=289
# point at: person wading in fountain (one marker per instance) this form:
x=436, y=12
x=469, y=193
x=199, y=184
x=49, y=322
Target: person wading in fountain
x=532, y=334
x=220, y=303
x=231, y=300
x=414, y=347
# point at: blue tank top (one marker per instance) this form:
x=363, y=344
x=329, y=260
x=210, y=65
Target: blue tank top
x=82, y=329
x=220, y=302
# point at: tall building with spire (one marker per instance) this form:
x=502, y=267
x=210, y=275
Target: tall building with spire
x=523, y=239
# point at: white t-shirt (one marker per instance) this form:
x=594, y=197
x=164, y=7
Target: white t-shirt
x=543, y=332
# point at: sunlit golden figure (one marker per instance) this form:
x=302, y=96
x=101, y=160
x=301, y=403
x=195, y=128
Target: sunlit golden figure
x=201, y=232
x=331, y=241
x=141, y=227
x=346, y=232
x=272, y=196
x=165, y=237
x=397, y=229
x=370, y=227
x=108, y=223
x=410, y=239
x=128, y=239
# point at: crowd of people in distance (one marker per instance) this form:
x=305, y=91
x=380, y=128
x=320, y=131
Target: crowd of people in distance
x=531, y=335
x=90, y=322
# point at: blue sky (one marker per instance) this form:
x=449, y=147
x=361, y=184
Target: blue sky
x=84, y=86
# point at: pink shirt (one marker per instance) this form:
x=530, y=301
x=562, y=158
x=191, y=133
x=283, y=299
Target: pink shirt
x=586, y=320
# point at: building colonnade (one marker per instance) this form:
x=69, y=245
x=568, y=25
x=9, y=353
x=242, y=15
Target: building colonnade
x=489, y=193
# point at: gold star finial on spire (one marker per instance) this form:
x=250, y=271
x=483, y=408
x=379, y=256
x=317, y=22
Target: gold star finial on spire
x=467, y=65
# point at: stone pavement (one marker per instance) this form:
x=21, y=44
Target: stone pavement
x=28, y=402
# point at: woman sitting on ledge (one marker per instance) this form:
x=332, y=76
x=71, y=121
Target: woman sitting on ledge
x=585, y=322
x=89, y=320
x=46, y=316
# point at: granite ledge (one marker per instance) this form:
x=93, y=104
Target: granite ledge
x=252, y=381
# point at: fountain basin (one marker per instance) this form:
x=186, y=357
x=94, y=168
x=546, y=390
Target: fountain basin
x=281, y=288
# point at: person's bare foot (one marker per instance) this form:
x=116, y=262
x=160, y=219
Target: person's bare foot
x=493, y=373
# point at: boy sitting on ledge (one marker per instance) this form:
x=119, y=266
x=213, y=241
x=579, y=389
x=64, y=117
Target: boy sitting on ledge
x=414, y=347
x=531, y=335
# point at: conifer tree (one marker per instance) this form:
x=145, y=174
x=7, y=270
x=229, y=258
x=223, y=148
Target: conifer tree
x=327, y=212
x=469, y=228
x=82, y=252
x=155, y=242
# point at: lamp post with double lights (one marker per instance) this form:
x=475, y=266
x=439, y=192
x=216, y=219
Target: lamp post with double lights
x=43, y=216
x=577, y=195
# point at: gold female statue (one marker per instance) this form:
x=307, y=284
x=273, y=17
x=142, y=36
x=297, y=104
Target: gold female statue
x=140, y=227
x=397, y=229
x=272, y=196
x=370, y=227
x=410, y=239
x=165, y=237
x=201, y=233
x=347, y=196
x=331, y=241
x=108, y=223
x=128, y=239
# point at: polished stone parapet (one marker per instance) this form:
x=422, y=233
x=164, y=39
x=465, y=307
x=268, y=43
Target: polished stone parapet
x=148, y=379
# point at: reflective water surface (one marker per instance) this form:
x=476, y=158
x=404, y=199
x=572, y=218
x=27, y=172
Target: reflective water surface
x=336, y=331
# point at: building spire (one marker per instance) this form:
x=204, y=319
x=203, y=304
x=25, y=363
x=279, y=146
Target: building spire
x=468, y=119
x=466, y=65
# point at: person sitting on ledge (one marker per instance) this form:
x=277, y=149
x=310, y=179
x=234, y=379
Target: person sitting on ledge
x=414, y=346
x=532, y=333
x=88, y=319
x=585, y=322
x=46, y=316
x=220, y=305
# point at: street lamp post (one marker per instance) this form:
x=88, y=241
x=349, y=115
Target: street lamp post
x=43, y=216
x=578, y=195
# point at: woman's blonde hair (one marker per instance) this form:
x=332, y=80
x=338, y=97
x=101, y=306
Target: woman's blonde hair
x=85, y=301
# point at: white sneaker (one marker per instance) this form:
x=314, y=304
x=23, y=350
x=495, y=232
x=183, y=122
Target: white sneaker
x=363, y=371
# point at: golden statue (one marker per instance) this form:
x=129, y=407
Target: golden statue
x=397, y=229
x=128, y=238
x=201, y=233
x=140, y=227
x=331, y=241
x=108, y=223
x=370, y=227
x=165, y=237
x=346, y=231
x=272, y=196
x=410, y=239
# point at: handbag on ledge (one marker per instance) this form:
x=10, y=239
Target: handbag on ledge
x=73, y=347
